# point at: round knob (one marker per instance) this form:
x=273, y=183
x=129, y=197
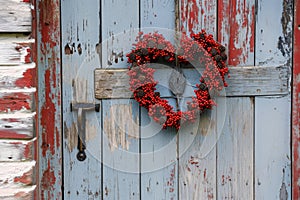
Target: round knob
x=81, y=156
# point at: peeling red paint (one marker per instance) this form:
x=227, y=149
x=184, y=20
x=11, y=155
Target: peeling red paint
x=27, y=79
x=296, y=105
x=13, y=134
x=48, y=24
x=235, y=18
x=15, y=102
x=26, y=178
x=48, y=118
x=48, y=180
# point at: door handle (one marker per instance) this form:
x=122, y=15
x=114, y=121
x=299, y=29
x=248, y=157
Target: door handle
x=81, y=109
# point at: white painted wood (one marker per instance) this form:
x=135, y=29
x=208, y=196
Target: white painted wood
x=15, y=16
x=10, y=171
x=243, y=81
x=14, y=48
x=17, y=193
x=10, y=74
x=272, y=114
x=16, y=150
x=235, y=151
x=82, y=180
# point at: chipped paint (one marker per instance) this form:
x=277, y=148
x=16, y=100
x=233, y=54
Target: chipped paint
x=71, y=136
x=296, y=106
x=119, y=127
x=49, y=90
x=15, y=102
x=236, y=30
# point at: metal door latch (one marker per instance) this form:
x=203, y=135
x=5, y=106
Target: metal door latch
x=82, y=108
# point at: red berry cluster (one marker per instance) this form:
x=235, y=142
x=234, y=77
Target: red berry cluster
x=200, y=51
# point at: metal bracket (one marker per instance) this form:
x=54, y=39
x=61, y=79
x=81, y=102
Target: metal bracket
x=82, y=108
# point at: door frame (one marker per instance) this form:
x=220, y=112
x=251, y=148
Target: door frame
x=47, y=33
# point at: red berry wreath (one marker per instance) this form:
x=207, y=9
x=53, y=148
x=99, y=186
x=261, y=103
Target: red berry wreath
x=200, y=51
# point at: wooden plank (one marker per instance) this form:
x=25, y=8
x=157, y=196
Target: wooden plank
x=17, y=125
x=14, y=174
x=273, y=47
x=236, y=31
x=18, y=193
x=15, y=16
x=196, y=15
x=296, y=106
x=16, y=150
x=243, y=81
x=121, y=157
x=80, y=33
x=12, y=102
x=16, y=77
x=197, y=155
x=15, y=49
x=121, y=179
x=49, y=81
x=159, y=165
x=272, y=170
x=235, y=151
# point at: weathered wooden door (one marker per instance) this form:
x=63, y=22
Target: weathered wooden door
x=240, y=150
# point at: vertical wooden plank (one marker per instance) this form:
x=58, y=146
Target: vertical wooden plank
x=197, y=161
x=80, y=34
x=272, y=149
x=236, y=30
x=235, y=155
x=121, y=165
x=196, y=15
x=296, y=105
x=49, y=106
x=236, y=24
x=159, y=165
x=273, y=47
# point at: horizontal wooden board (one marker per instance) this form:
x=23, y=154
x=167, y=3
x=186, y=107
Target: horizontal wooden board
x=14, y=174
x=16, y=150
x=15, y=16
x=17, y=193
x=17, y=126
x=243, y=81
x=15, y=49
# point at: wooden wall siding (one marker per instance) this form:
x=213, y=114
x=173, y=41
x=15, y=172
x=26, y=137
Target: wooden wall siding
x=227, y=157
x=273, y=46
x=15, y=16
x=17, y=103
x=296, y=105
x=47, y=33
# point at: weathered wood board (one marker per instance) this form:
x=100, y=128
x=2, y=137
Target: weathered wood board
x=15, y=16
x=243, y=81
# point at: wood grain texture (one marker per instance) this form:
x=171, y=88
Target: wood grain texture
x=121, y=161
x=236, y=21
x=235, y=151
x=15, y=49
x=272, y=169
x=17, y=125
x=49, y=108
x=15, y=150
x=18, y=193
x=197, y=152
x=243, y=81
x=296, y=105
x=15, y=16
x=80, y=34
x=14, y=174
x=273, y=46
x=236, y=31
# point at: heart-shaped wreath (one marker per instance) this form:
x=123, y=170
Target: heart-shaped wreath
x=200, y=51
